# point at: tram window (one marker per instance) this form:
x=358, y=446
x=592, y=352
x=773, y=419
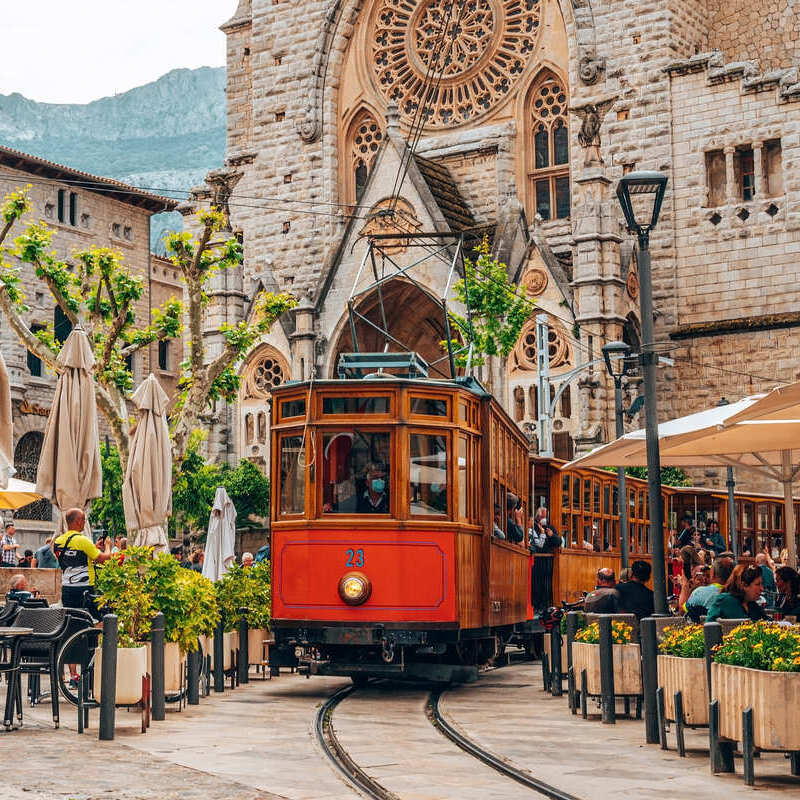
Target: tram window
x=355, y=472
x=596, y=497
x=565, y=491
x=576, y=493
x=428, y=474
x=355, y=405
x=293, y=408
x=293, y=471
x=575, y=522
x=587, y=495
x=429, y=406
x=615, y=504
x=747, y=515
x=641, y=505
x=463, y=449
x=463, y=411
x=606, y=498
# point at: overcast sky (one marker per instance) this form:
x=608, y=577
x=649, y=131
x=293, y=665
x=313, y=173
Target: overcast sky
x=73, y=52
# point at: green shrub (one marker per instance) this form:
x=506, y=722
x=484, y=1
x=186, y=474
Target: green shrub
x=245, y=587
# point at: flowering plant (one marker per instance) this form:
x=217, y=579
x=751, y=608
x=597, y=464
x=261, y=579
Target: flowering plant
x=685, y=642
x=621, y=633
x=761, y=645
x=563, y=623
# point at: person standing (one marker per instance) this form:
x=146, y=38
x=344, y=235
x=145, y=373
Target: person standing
x=77, y=555
x=9, y=546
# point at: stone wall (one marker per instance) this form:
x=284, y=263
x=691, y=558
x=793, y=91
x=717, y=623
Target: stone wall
x=767, y=31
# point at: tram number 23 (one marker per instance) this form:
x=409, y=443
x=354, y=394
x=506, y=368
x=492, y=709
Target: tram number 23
x=355, y=558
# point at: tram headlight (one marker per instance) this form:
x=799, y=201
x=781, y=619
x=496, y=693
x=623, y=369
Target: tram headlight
x=355, y=588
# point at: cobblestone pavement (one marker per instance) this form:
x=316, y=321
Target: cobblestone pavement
x=258, y=743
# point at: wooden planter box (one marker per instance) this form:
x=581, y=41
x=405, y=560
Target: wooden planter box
x=627, y=660
x=255, y=645
x=688, y=676
x=563, y=652
x=771, y=695
x=230, y=642
x=174, y=664
x=131, y=668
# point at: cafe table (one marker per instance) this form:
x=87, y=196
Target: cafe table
x=9, y=637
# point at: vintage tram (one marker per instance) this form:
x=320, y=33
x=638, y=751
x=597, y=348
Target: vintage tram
x=389, y=498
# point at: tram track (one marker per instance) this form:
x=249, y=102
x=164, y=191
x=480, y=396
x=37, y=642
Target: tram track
x=469, y=746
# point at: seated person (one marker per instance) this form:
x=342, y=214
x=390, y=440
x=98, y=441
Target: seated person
x=375, y=497
x=515, y=532
x=704, y=591
x=497, y=530
x=789, y=587
x=633, y=596
x=604, y=598
x=739, y=597
x=713, y=539
x=19, y=590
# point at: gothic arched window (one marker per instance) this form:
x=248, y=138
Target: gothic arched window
x=364, y=140
x=548, y=139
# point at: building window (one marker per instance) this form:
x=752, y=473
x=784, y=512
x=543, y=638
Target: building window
x=73, y=208
x=773, y=169
x=61, y=325
x=129, y=363
x=62, y=205
x=34, y=362
x=715, y=178
x=163, y=355
x=549, y=170
x=127, y=233
x=744, y=170
x=116, y=229
x=364, y=142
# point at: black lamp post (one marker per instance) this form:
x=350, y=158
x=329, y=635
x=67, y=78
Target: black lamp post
x=618, y=352
x=640, y=194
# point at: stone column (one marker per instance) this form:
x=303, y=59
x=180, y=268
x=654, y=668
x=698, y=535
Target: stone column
x=302, y=341
x=758, y=170
x=731, y=195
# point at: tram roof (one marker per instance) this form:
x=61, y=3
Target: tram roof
x=468, y=384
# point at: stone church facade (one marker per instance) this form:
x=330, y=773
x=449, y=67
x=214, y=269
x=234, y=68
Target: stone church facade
x=541, y=107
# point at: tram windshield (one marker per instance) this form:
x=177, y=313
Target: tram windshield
x=428, y=478
x=356, y=468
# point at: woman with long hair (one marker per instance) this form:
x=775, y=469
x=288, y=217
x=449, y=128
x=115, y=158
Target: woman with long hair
x=737, y=600
x=789, y=587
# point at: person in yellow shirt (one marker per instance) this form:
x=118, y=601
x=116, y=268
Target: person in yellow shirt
x=77, y=556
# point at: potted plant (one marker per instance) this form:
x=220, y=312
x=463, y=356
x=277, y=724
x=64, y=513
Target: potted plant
x=758, y=666
x=122, y=588
x=259, y=606
x=682, y=668
x=626, y=658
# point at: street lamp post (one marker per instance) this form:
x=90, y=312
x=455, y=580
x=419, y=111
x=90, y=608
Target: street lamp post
x=730, y=484
x=640, y=194
x=619, y=351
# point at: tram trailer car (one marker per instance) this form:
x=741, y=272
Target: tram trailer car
x=385, y=498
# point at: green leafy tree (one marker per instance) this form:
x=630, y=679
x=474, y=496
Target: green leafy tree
x=498, y=309
x=108, y=509
x=98, y=291
x=245, y=587
x=670, y=476
x=248, y=487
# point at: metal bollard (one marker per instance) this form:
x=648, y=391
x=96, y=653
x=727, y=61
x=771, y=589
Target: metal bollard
x=712, y=636
x=556, y=685
x=545, y=672
x=244, y=650
x=649, y=645
x=572, y=629
x=108, y=678
x=748, y=749
x=194, y=659
x=607, y=698
x=219, y=659
x=158, y=704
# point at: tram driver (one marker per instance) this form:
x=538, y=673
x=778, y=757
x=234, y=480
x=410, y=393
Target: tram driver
x=375, y=497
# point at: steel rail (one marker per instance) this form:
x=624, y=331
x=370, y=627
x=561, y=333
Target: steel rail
x=491, y=760
x=338, y=755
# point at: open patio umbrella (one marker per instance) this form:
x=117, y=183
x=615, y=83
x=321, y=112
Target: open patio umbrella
x=70, y=473
x=147, y=487
x=17, y=494
x=740, y=435
x=6, y=427
x=221, y=538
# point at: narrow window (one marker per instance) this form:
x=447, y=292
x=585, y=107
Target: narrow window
x=73, y=209
x=34, y=362
x=163, y=355
x=747, y=174
x=293, y=470
x=542, y=147
x=61, y=325
x=715, y=178
x=773, y=169
x=61, y=205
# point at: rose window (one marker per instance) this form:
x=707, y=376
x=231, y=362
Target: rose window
x=472, y=53
x=265, y=374
x=557, y=347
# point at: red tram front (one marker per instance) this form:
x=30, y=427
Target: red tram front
x=389, y=500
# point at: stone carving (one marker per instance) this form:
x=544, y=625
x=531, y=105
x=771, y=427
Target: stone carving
x=387, y=217
x=492, y=43
x=535, y=281
x=591, y=116
x=590, y=68
x=632, y=285
x=222, y=182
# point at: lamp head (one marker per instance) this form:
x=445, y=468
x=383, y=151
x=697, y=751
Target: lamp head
x=616, y=352
x=640, y=194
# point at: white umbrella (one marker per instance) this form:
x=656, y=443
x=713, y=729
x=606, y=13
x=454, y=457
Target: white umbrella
x=6, y=427
x=17, y=494
x=147, y=488
x=70, y=472
x=750, y=434
x=221, y=538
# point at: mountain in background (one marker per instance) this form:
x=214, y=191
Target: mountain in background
x=164, y=135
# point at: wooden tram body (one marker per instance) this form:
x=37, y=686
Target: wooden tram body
x=583, y=506
x=443, y=591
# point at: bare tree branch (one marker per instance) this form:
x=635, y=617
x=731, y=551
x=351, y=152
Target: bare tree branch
x=19, y=327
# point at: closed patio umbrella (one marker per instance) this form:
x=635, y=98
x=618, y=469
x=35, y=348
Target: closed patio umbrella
x=741, y=435
x=221, y=538
x=6, y=427
x=147, y=487
x=70, y=472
